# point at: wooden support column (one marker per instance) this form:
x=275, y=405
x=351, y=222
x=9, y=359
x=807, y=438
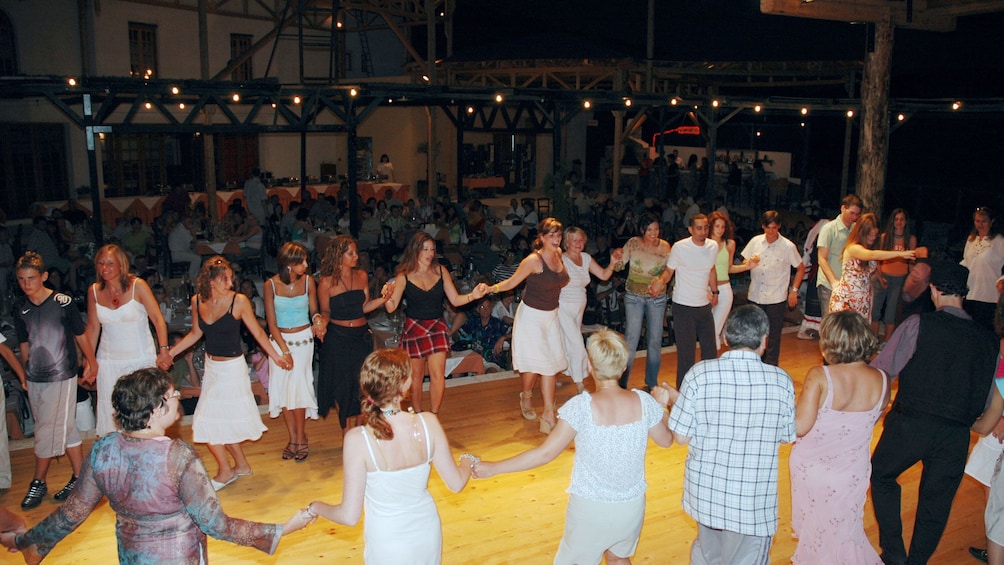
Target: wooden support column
x=618, y=151
x=874, y=138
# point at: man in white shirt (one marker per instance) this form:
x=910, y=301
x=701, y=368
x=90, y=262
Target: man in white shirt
x=771, y=285
x=256, y=197
x=830, y=246
x=695, y=294
x=180, y=242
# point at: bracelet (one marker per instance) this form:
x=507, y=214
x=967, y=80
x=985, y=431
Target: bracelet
x=474, y=459
x=286, y=354
x=716, y=292
x=167, y=347
x=317, y=318
x=310, y=511
x=794, y=289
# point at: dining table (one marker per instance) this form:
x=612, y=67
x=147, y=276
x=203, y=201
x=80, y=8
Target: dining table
x=207, y=248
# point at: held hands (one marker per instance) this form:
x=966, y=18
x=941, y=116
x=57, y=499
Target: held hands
x=479, y=291
x=388, y=288
x=90, y=373
x=616, y=255
x=285, y=362
x=301, y=519
x=910, y=254
x=164, y=360
x=753, y=262
x=656, y=287
x=483, y=470
x=665, y=394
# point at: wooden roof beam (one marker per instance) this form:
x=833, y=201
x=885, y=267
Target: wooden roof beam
x=873, y=11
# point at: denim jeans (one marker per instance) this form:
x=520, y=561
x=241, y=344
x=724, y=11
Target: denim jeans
x=654, y=311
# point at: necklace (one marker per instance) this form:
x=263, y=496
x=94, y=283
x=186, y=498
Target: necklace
x=390, y=411
x=980, y=244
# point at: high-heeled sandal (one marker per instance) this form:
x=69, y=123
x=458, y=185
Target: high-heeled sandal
x=526, y=405
x=288, y=453
x=302, y=452
x=545, y=426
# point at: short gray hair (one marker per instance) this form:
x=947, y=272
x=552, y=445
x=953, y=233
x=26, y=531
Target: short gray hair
x=746, y=327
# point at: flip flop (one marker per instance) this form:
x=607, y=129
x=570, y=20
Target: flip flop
x=218, y=485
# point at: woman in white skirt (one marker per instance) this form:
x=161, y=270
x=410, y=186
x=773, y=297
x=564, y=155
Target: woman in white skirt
x=611, y=428
x=226, y=414
x=537, y=350
x=572, y=300
x=293, y=322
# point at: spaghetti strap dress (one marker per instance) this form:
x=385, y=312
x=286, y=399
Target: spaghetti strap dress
x=402, y=523
x=830, y=473
x=126, y=345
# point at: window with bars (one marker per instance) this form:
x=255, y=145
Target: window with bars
x=8, y=47
x=239, y=45
x=142, y=50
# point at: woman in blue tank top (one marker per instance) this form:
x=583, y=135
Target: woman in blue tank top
x=293, y=322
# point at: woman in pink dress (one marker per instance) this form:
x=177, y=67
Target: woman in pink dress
x=854, y=290
x=830, y=463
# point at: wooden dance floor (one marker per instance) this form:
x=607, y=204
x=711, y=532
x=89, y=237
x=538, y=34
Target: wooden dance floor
x=514, y=518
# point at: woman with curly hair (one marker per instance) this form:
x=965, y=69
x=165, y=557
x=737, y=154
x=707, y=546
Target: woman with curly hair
x=424, y=283
x=164, y=501
x=293, y=322
x=830, y=464
x=226, y=414
x=343, y=296
x=120, y=309
x=386, y=464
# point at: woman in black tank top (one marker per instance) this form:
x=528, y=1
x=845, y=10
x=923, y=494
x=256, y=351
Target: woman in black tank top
x=424, y=283
x=227, y=414
x=343, y=297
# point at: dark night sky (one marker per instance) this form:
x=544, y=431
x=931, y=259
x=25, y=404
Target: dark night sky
x=955, y=153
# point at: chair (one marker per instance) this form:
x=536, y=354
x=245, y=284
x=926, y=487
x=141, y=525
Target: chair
x=543, y=207
x=173, y=270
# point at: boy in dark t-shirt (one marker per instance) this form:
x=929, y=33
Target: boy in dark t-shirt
x=47, y=325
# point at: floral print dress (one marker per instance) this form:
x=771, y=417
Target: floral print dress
x=854, y=289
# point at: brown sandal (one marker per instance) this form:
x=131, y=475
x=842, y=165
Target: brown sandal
x=288, y=453
x=302, y=452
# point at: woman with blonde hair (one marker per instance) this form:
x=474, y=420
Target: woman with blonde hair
x=611, y=428
x=226, y=415
x=343, y=296
x=537, y=349
x=830, y=464
x=120, y=309
x=572, y=300
x=854, y=289
x=424, y=283
x=386, y=469
x=293, y=322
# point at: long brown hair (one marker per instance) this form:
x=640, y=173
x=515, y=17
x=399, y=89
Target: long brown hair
x=989, y=213
x=889, y=235
x=291, y=253
x=730, y=230
x=409, y=259
x=545, y=227
x=212, y=268
x=120, y=257
x=333, y=255
x=865, y=225
x=382, y=379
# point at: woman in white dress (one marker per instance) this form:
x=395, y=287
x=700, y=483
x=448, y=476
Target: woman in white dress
x=611, y=428
x=293, y=322
x=386, y=466
x=120, y=308
x=572, y=300
x=226, y=414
